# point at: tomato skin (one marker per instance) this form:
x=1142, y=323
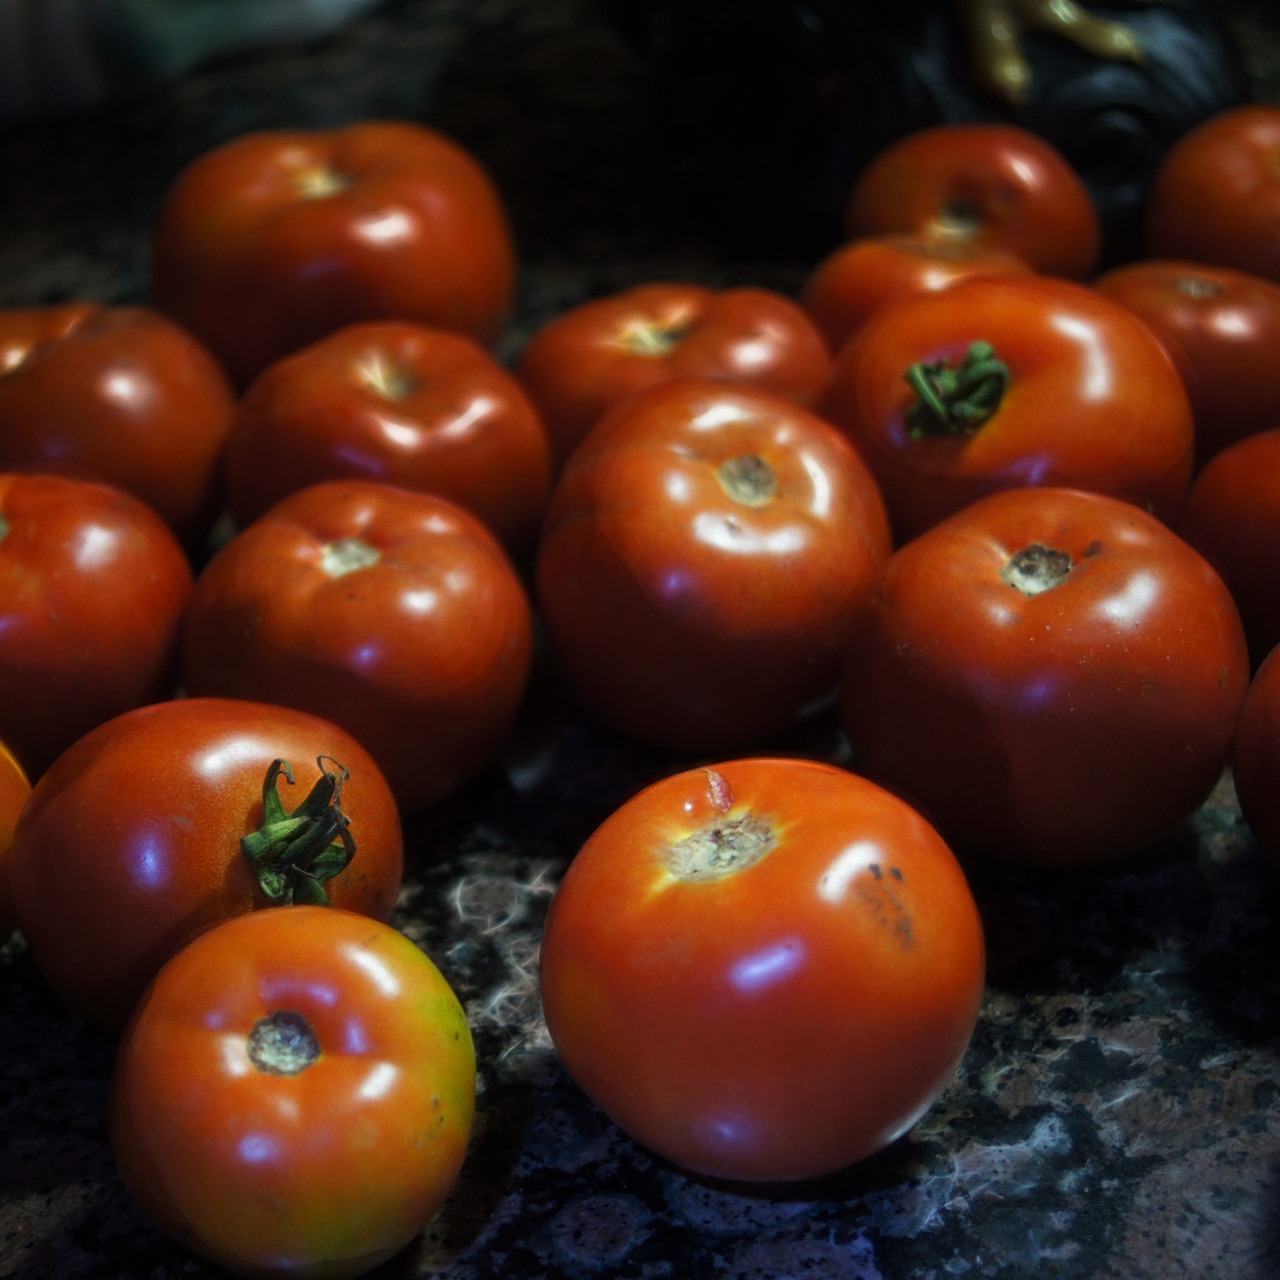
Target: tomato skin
x=1215, y=197
x=1094, y=401
x=167, y=791
x=785, y=1018
x=395, y=402
x=1255, y=758
x=1064, y=727
x=860, y=276
x=995, y=185
x=1232, y=516
x=420, y=646
x=1222, y=328
x=278, y=237
x=93, y=586
x=324, y=1171
x=599, y=352
x=117, y=394
x=15, y=787
x=686, y=614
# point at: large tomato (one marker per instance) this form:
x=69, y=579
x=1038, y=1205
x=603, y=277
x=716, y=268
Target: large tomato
x=119, y=394
x=1256, y=756
x=15, y=787
x=592, y=356
x=392, y=401
x=1053, y=676
x=176, y=815
x=295, y=1094
x=1222, y=328
x=996, y=185
x=1016, y=381
x=860, y=276
x=393, y=613
x=765, y=970
x=1216, y=196
x=703, y=554
x=276, y=238
x=93, y=586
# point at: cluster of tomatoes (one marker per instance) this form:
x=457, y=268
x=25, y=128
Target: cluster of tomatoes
x=276, y=556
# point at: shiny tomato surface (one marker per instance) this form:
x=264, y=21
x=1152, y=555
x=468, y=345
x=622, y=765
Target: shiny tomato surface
x=1256, y=756
x=995, y=185
x=1053, y=676
x=295, y=1094
x=278, y=237
x=999, y=383
x=765, y=970
x=118, y=394
x=15, y=787
x=393, y=613
x=597, y=353
x=704, y=552
x=134, y=839
x=93, y=586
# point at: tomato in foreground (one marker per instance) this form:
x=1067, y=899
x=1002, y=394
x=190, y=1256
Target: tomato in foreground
x=1052, y=676
x=1255, y=757
x=15, y=787
x=183, y=813
x=295, y=1094
x=766, y=970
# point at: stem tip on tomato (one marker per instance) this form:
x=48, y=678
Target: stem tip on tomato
x=1036, y=568
x=720, y=849
x=283, y=1044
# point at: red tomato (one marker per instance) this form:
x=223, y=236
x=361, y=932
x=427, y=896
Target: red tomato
x=420, y=408
x=295, y=1094
x=997, y=383
x=119, y=394
x=1222, y=328
x=172, y=817
x=1233, y=516
x=1215, y=197
x=1053, y=676
x=14, y=790
x=765, y=970
x=996, y=185
x=1256, y=756
x=863, y=275
x=600, y=352
x=395, y=614
x=277, y=238
x=703, y=555
x=93, y=586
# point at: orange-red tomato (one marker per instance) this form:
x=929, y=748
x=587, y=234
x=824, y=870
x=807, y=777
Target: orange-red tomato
x=763, y=970
x=15, y=787
x=1053, y=676
x=295, y=1094
x=598, y=353
x=391, y=401
x=118, y=394
x=703, y=554
x=996, y=185
x=393, y=613
x=174, y=816
x=1255, y=756
x=278, y=237
x=1011, y=382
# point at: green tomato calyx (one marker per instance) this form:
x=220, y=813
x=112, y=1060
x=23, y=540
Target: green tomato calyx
x=956, y=399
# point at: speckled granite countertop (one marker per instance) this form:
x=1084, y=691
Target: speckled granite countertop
x=1116, y=1116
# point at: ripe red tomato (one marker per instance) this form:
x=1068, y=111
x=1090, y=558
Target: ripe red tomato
x=1232, y=515
x=1053, y=676
x=276, y=238
x=119, y=394
x=93, y=586
x=395, y=614
x=863, y=275
x=1215, y=197
x=600, y=352
x=295, y=1094
x=703, y=554
x=421, y=408
x=765, y=970
x=1255, y=757
x=135, y=839
x=996, y=383
x=996, y=185
x=14, y=790
x=1222, y=328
